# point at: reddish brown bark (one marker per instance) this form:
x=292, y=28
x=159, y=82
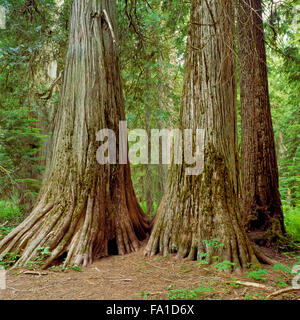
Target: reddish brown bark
x=85, y=210
x=197, y=209
x=261, y=205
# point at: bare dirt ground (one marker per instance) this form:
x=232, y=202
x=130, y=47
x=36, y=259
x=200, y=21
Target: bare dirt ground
x=134, y=276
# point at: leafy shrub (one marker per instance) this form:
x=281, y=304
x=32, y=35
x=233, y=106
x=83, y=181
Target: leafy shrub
x=186, y=294
x=9, y=259
x=8, y=211
x=292, y=221
x=257, y=274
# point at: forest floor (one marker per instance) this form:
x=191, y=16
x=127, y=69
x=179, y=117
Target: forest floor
x=134, y=276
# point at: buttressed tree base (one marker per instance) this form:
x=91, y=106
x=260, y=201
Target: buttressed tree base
x=84, y=210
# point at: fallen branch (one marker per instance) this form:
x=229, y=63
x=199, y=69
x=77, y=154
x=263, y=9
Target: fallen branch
x=35, y=273
x=282, y=291
x=12, y=288
x=121, y=280
x=251, y=284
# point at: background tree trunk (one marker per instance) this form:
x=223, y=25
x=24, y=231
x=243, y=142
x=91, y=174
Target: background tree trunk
x=261, y=205
x=84, y=210
x=148, y=178
x=197, y=209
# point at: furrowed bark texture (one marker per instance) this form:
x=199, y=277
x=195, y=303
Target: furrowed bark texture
x=261, y=205
x=205, y=207
x=85, y=210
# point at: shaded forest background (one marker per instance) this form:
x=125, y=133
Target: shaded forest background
x=152, y=47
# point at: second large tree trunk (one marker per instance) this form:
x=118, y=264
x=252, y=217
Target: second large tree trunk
x=196, y=210
x=261, y=205
x=85, y=210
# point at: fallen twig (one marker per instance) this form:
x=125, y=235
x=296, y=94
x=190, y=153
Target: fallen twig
x=252, y=284
x=121, y=280
x=12, y=288
x=35, y=273
x=152, y=265
x=282, y=291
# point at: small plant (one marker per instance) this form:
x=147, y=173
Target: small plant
x=257, y=274
x=9, y=211
x=281, y=283
x=282, y=268
x=75, y=267
x=55, y=268
x=145, y=294
x=202, y=258
x=181, y=294
x=224, y=265
x=9, y=259
x=5, y=230
x=66, y=268
x=255, y=295
x=30, y=265
x=43, y=252
x=162, y=258
x=186, y=294
x=233, y=283
x=213, y=243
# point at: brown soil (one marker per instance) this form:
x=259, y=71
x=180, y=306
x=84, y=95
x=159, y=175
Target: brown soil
x=134, y=276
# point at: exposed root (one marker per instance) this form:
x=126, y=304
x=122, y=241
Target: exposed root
x=79, y=230
x=199, y=219
x=262, y=257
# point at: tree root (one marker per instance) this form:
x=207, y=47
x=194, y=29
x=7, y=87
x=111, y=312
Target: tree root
x=262, y=257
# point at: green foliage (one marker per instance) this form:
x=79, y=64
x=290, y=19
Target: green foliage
x=255, y=296
x=8, y=211
x=35, y=34
x=279, y=282
x=257, y=274
x=9, y=259
x=152, y=41
x=224, y=265
x=213, y=243
x=4, y=230
x=204, y=257
x=233, y=283
x=186, y=294
x=285, y=269
x=284, y=86
x=292, y=221
x=145, y=294
x=66, y=268
x=144, y=207
x=201, y=256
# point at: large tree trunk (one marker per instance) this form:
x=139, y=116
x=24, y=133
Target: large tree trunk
x=261, y=205
x=205, y=207
x=84, y=210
